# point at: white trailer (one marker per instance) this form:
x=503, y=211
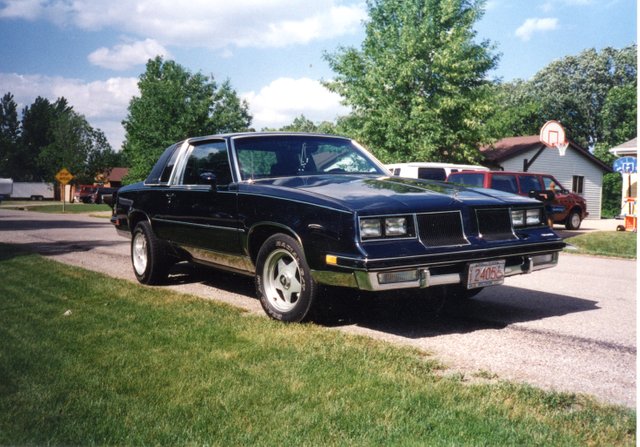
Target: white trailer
x=6, y=188
x=32, y=191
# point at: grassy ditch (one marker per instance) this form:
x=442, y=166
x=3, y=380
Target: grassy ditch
x=619, y=244
x=86, y=359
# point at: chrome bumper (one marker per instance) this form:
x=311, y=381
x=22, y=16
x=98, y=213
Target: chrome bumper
x=422, y=277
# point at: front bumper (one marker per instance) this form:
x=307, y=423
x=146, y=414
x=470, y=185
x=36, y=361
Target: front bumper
x=428, y=277
x=432, y=274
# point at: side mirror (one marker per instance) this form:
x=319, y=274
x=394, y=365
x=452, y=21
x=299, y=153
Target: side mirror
x=546, y=195
x=208, y=178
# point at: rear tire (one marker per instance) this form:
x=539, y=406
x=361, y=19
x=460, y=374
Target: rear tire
x=148, y=256
x=284, y=284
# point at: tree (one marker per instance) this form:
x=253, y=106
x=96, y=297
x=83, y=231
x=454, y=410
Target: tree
x=574, y=89
x=78, y=147
x=175, y=104
x=303, y=124
x=415, y=87
x=513, y=112
x=9, y=134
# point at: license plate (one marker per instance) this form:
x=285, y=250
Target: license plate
x=482, y=274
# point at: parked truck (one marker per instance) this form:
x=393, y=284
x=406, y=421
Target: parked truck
x=6, y=188
x=33, y=191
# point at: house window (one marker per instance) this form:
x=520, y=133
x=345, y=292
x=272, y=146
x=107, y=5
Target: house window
x=578, y=184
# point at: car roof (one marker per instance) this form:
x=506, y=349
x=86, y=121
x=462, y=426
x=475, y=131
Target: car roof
x=501, y=172
x=262, y=134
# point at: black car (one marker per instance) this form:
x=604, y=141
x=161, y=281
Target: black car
x=299, y=210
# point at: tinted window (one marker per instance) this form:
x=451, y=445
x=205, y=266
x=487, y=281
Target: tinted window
x=432, y=173
x=161, y=172
x=529, y=183
x=468, y=179
x=208, y=157
x=505, y=182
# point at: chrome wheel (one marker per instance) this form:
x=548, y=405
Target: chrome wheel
x=139, y=253
x=282, y=286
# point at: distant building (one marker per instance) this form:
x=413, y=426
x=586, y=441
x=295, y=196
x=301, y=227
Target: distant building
x=578, y=170
x=113, y=178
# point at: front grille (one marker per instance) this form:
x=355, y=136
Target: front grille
x=495, y=224
x=441, y=229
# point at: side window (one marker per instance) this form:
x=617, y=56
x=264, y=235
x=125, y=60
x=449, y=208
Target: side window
x=551, y=184
x=529, y=183
x=432, y=173
x=166, y=173
x=504, y=182
x=475, y=180
x=207, y=157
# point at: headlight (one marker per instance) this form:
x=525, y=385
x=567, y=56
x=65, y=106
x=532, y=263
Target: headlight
x=517, y=218
x=370, y=228
x=534, y=217
x=395, y=226
x=386, y=227
x=526, y=218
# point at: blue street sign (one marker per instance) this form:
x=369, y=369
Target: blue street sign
x=626, y=165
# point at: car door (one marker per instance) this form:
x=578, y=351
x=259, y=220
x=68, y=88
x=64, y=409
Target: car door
x=202, y=204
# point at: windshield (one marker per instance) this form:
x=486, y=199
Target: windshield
x=292, y=155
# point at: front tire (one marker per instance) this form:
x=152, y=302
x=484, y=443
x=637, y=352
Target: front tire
x=573, y=220
x=148, y=256
x=284, y=284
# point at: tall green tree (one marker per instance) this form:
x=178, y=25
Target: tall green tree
x=574, y=89
x=415, y=86
x=175, y=104
x=9, y=134
x=514, y=112
x=75, y=145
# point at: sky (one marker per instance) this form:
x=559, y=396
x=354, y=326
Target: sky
x=93, y=52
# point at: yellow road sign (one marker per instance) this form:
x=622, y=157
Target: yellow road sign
x=64, y=176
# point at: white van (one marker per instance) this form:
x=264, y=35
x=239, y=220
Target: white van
x=430, y=171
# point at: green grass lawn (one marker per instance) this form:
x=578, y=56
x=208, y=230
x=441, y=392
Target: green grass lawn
x=620, y=244
x=86, y=359
x=56, y=207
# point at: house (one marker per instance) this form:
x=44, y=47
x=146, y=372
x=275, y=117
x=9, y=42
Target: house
x=629, y=180
x=578, y=170
x=112, y=178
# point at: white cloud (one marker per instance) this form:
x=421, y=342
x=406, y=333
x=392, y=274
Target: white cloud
x=205, y=23
x=125, y=56
x=284, y=99
x=103, y=103
x=531, y=26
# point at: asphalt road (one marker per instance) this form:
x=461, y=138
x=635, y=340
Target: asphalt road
x=571, y=328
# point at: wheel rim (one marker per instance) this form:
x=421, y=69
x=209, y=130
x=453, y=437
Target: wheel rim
x=282, y=286
x=139, y=253
x=575, y=220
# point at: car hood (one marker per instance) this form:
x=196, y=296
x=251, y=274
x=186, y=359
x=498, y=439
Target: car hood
x=371, y=194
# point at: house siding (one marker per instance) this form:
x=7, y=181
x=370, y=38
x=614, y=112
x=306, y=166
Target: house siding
x=563, y=169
